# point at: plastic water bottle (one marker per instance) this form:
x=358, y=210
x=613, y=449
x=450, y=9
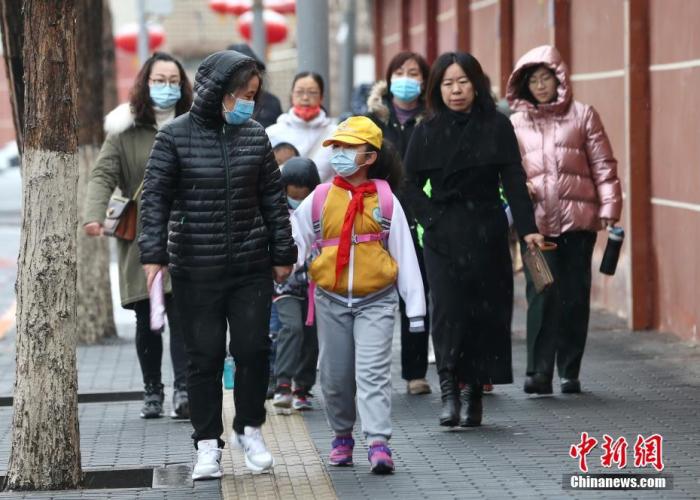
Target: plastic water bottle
x=229, y=370
x=616, y=235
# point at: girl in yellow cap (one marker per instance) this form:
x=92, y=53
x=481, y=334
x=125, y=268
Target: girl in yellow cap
x=364, y=258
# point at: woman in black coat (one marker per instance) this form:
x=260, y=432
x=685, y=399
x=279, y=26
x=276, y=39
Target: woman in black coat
x=465, y=149
x=214, y=211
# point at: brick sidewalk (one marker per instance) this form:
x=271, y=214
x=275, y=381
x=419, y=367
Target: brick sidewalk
x=298, y=472
x=634, y=383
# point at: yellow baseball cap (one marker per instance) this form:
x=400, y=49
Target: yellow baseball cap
x=356, y=130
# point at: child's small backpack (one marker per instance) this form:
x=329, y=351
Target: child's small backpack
x=386, y=211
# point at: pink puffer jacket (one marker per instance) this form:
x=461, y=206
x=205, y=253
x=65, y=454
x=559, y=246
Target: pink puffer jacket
x=566, y=154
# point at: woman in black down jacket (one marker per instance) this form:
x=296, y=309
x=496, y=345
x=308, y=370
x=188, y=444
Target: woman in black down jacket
x=465, y=149
x=214, y=212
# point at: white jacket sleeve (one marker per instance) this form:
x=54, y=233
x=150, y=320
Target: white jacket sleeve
x=303, y=231
x=410, y=283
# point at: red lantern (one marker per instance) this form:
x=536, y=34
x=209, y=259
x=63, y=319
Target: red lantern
x=238, y=7
x=127, y=37
x=275, y=26
x=281, y=6
x=218, y=6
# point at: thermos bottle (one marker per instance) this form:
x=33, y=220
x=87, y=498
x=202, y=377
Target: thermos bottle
x=616, y=235
x=229, y=370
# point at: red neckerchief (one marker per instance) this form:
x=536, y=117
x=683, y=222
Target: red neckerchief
x=356, y=206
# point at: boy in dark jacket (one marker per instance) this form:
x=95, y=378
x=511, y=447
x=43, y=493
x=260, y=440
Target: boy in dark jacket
x=297, y=343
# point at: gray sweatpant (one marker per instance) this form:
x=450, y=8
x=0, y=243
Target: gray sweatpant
x=297, y=345
x=355, y=358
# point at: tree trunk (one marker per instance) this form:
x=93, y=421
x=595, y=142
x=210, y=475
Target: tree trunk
x=95, y=315
x=12, y=42
x=45, y=450
x=94, y=311
x=109, y=64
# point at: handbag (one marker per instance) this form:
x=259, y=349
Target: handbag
x=120, y=219
x=537, y=266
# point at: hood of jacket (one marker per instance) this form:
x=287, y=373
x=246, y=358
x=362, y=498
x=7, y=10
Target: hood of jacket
x=119, y=119
x=376, y=101
x=550, y=57
x=210, y=82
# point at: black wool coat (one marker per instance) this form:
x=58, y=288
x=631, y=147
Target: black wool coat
x=465, y=157
x=212, y=204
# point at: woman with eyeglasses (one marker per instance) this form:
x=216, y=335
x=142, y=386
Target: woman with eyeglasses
x=306, y=124
x=573, y=183
x=160, y=93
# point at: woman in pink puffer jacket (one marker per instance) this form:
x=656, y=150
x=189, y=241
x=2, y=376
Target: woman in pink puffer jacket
x=572, y=177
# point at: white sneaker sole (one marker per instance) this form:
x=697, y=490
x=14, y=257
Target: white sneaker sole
x=144, y=416
x=303, y=407
x=283, y=404
x=251, y=466
x=213, y=475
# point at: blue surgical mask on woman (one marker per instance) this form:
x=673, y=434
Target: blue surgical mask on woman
x=241, y=112
x=164, y=96
x=343, y=161
x=405, y=89
x=293, y=204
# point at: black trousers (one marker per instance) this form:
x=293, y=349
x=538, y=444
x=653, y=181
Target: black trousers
x=414, y=346
x=206, y=308
x=149, y=345
x=557, y=319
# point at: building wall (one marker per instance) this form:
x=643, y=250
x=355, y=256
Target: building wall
x=675, y=172
x=657, y=282
x=484, y=43
x=446, y=25
x=597, y=67
x=532, y=25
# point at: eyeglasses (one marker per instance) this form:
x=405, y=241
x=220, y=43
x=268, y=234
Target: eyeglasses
x=308, y=93
x=543, y=80
x=161, y=84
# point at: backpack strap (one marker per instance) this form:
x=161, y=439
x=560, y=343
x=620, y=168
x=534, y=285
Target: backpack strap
x=317, y=202
x=386, y=203
x=386, y=211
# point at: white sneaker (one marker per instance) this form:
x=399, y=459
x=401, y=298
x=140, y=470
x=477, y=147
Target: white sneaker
x=257, y=457
x=208, y=464
x=282, y=400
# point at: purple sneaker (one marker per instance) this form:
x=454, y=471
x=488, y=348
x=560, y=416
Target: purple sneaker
x=380, y=458
x=341, y=454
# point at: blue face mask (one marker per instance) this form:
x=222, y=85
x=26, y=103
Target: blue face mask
x=164, y=96
x=293, y=204
x=343, y=162
x=241, y=112
x=405, y=89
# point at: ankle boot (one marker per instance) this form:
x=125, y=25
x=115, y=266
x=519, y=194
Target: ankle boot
x=472, y=405
x=449, y=417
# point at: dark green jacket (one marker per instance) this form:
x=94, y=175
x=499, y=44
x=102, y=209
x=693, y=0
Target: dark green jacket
x=122, y=164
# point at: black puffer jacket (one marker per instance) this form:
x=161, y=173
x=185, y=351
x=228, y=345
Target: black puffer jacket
x=212, y=203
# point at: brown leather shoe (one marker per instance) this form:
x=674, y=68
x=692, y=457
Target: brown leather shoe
x=418, y=386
